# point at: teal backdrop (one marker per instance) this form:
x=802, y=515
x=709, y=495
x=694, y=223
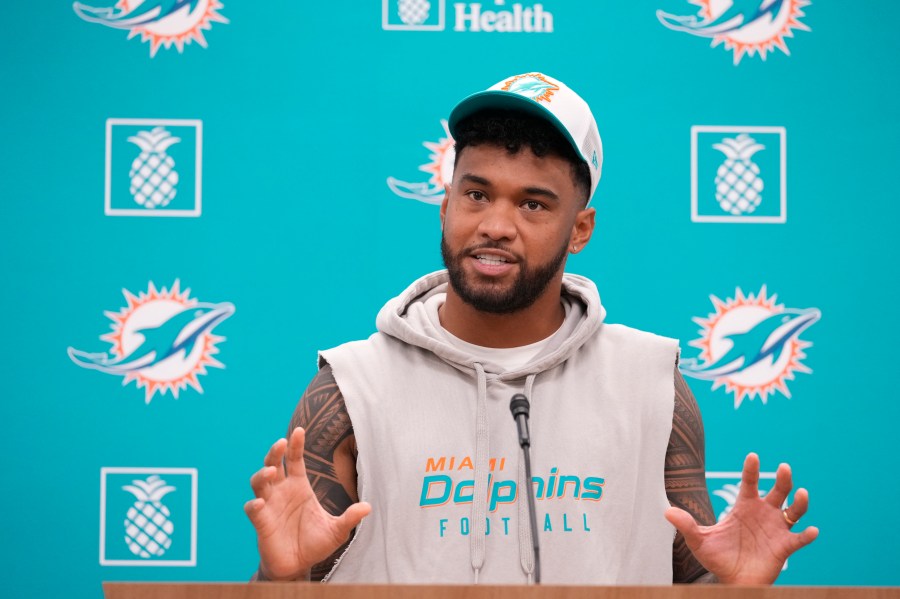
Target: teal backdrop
x=271, y=216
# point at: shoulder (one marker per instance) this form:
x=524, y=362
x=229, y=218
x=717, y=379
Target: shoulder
x=632, y=348
x=623, y=333
x=371, y=347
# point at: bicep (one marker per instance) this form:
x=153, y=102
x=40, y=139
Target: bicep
x=330, y=446
x=686, y=476
x=330, y=450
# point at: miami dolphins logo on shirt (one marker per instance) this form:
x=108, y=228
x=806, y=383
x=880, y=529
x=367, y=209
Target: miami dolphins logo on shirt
x=162, y=340
x=160, y=22
x=751, y=345
x=744, y=26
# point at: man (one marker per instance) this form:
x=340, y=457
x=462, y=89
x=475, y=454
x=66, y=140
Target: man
x=415, y=420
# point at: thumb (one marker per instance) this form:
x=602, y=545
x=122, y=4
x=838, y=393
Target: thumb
x=684, y=522
x=254, y=511
x=804, y=538
x=351, y=518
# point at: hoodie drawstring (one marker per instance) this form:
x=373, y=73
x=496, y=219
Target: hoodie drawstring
x=526, y=553
x=478, y=536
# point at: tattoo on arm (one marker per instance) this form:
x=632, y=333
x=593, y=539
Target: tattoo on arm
x=329, y=433
x=686, y=479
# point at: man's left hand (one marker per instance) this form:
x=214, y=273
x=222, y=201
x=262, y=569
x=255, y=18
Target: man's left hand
x=751, y=544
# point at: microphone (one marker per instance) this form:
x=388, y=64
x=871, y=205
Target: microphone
x=520, y=408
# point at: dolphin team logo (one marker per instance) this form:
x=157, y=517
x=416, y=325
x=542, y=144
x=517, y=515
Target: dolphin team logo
x=440, y=167
x=751, y=345
x=161, y=22
x=161, y=339
x=531, y=85
x=744, y=26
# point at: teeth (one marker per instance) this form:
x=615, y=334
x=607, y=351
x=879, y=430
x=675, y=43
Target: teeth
x=491, y=260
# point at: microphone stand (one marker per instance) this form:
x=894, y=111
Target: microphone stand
x=520, y=409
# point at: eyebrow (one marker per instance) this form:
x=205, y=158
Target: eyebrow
x=538, y=191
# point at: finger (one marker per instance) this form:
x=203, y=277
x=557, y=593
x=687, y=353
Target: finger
x=750, y=477
x=261, y=481
x=685, y=524
x=253, y=509
x=783, y=486
x=804, y=538
x=294, y=458
x=351, y=518
x=275, y=457
x=796, y=510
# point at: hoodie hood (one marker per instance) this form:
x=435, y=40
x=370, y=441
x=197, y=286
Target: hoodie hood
x=407, y=319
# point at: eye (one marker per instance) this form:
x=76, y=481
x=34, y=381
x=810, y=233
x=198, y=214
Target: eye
x=533, y=206
x=476, y=195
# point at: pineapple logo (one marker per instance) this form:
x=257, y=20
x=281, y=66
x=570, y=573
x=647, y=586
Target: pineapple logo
x=439, y=166
x=412, y=15
x=162, y=23
x=413, y=12
x=751, y=345
x=162, y=340
x=738, y=174
x=141, y=160
x=153, y=174
x=148, y=529
x=151, y=515
x=746, y=27
x=738, y=184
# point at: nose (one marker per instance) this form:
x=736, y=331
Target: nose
x=498, y=222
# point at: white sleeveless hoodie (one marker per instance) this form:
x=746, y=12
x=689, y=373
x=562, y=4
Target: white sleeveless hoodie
x=439, y=459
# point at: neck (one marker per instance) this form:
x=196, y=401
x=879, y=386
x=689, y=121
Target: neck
x=530, y=325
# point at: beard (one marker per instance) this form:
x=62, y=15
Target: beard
x=494, y=297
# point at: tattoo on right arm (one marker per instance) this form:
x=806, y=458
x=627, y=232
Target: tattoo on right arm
x=686, y=480
x=329, y=433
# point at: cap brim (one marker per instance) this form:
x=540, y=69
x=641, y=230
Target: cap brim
x=505, y=101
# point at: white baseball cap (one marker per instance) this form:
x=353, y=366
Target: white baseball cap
x=546, y=98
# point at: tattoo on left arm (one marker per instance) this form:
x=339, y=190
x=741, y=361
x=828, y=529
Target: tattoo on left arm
x=686, y=480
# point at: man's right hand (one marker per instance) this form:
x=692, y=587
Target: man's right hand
x=293, y=531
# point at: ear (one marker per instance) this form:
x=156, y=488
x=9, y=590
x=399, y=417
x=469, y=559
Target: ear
x=444, y=204
x=582, y=230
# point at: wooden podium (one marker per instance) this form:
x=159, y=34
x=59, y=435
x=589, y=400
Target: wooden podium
x=300, y=590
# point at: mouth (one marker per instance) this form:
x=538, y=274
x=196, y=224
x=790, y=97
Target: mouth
x=491, y=260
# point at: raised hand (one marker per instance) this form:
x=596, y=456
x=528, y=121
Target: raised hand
x=751, y=544
x=293, y=531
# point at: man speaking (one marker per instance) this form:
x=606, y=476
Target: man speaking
x=407, y=438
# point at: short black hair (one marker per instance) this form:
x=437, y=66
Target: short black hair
x=513, y=130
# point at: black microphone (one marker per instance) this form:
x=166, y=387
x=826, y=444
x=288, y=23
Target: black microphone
x=520, y=408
